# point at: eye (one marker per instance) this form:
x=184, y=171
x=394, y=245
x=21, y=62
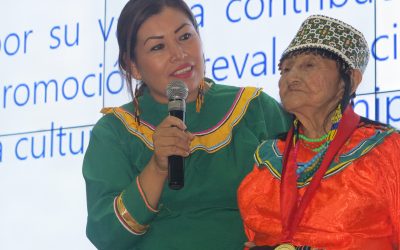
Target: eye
x=157, y=47
x=185, y=36
x=309, y=65
x=284, y=70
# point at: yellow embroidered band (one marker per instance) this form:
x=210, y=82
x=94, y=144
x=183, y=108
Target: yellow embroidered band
x=126, y=219
x=210, y=140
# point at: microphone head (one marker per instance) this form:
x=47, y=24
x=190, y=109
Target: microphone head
x=177, y=90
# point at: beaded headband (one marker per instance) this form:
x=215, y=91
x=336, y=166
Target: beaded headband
x=323, y=32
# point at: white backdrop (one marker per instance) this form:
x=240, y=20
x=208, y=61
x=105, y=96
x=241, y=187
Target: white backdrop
x=58, y=69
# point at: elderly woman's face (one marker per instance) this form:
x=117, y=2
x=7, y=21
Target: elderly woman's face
x=310, y=83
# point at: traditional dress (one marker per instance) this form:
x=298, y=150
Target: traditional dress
x=356, y=206
x=204, y=213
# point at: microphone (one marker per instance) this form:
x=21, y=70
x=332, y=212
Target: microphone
x=177, y=93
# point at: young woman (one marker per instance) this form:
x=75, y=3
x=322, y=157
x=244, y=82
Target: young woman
x=130, y=205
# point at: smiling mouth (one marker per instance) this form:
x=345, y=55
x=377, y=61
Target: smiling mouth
x=183, y=71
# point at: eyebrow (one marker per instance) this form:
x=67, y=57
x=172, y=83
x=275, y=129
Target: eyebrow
x=181, y=27
x=161, y=37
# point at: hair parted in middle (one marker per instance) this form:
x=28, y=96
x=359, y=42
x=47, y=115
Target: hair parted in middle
x=132, y=16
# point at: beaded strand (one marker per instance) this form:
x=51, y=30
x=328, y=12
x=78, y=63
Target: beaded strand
x=317, y=159
x=307, y=139
x=301, y=166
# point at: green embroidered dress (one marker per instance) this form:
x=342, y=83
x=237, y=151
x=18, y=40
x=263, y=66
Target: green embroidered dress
x=202, y=215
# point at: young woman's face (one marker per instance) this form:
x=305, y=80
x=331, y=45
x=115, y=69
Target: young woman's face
x=168, y=48
x=310, y=83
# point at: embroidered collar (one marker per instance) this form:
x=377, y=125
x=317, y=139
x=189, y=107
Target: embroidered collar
x=270, y=153
x=211, y=139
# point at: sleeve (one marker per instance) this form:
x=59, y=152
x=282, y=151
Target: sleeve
x=244, y=194
x=277, y=120
x=250, y=235
x=391, y=183
x=118, y=213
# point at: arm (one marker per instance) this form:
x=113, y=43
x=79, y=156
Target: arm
x=277, y=120
x=111, y=179
x=122, y=201
x=250, y=236
x=243, y=202
x=391, y=184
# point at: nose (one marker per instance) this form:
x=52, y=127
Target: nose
x=292, y=75
x=177, y=52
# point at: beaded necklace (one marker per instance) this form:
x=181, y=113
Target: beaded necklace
x=309, y=168
x=312, y=147
x=311, y=164
x=315, y=145
x=293, y=205
x=307, y=139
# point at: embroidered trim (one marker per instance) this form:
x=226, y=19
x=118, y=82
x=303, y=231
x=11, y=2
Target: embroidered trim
x=215, y=138
x=144, y=196
x=269, y=150
x=210, y=140
x=126, y=219
x=144, y=131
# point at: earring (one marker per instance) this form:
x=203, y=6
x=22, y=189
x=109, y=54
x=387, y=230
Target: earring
x=295, y=130
x=136, y=103
x=337, y=116
x=200, y=96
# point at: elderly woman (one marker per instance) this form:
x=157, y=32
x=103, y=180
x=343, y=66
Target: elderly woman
x=333, y=182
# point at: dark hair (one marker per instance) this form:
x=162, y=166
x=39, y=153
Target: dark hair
x=343, y=67
x=132, y=16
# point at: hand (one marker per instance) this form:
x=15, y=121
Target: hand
x=170, y=138
x=249, y=244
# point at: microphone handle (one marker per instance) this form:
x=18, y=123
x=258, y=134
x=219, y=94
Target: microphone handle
x=176, y=162
x=178, y=113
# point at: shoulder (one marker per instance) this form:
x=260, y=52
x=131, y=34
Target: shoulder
x=268, y=151
x=371, y=140
x=228, y=92
x=111, y=119
x=377, y=131
x=391, y=141
x=232, y=99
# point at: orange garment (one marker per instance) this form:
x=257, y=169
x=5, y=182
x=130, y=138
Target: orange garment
x=356, y=207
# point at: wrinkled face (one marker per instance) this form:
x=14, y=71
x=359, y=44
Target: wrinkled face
x=168, y=48
x=310, y=84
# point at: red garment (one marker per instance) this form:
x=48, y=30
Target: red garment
x=357, y=207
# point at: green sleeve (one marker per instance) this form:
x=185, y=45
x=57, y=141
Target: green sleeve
x=277, y=120
x=109, y=170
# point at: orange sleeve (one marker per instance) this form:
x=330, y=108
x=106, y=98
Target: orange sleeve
x=249, y=233
x=390, y=182
x=243, y=202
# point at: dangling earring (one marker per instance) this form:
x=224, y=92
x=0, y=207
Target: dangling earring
x=200, y=96
x=136, y=103
x=337, y=116
x=295, y=130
